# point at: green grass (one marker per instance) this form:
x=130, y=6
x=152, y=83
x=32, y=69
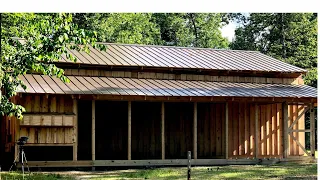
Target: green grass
x=32, y=176
x=277, y=171
x=289, y=171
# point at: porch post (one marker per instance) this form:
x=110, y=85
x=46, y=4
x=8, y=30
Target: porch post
x=226, y=131
x=285, y=129
x=75, y=130
x=195, y=119
x=163, y=150
x=93, y=131
x=256, y=130
x=312, y=129
x=129, y=130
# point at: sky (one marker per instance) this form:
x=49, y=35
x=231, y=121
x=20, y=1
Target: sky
x=228, y=30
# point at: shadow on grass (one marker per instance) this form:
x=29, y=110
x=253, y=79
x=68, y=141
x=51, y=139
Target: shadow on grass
x=296, y=171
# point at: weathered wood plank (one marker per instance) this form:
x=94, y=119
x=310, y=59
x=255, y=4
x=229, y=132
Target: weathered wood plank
x=163, y=148
x=285, y=129
x=93, y=130
x=129, y=130
x=226, y=130
x=75, y=130
x=195, y=133
x=313, y=133
x=256, y=131
x=247, y=128
x=274, y=130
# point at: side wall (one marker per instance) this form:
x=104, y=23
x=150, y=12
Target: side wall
x=270, y=123
x=193, y=77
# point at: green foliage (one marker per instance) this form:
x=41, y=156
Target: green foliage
x=178, y=29
x=191, y=29
x=45, y=38
x=290, y=37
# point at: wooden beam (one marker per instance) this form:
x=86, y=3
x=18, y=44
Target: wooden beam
x=285, y=130
x=300, y=130
x=93, y=131
x=226, y=131
x=195, y=126
x=167, y=162
x=299, y=144
x=298, y=118
x=256, y=131
x=75, y=130
x=312, y=128
x=163, y=148
x=129, y=130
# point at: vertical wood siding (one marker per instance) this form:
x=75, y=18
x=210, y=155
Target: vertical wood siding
x=50, y=105
x=241, y=130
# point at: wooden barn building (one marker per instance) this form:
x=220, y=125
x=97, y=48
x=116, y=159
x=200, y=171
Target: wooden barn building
x=139, y=105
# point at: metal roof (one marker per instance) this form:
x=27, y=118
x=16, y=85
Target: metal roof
x=153, y=87
x=181, y=57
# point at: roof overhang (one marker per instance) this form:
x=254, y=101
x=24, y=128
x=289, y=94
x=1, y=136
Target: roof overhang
x=166, y=90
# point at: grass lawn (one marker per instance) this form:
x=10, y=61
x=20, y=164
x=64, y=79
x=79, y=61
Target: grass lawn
x=278, y=171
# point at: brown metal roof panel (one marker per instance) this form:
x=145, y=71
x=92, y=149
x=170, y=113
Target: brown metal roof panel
x=238, y=59
x=114, y=86
x=209, y=62
x=172, y=88
x=151, y=57
x=185, y=88
x=26, y=83
x=144, y=87
x=192, y=57
x=112, y=58
x=63, y=86
x=90, y=88
x=76, y=86
x=135, y=89
x=106, y=88
x=171, y=62
x=179, y=59
x=79, y=57
x=122, y=86
x=133, y=57
x=43, y=84
x=126, y=56
x=123, y=58
x=52, y=84
x=155, y=89
x=224, y=62
x=34, y=84
x=96, y=53
x=136, y=55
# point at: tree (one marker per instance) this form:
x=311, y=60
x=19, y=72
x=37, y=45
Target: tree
x=191, y=29
x=45, y=38
x=129, y=28
x=178, y=29
x=290, y=37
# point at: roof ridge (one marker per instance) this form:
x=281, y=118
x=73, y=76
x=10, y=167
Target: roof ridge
x=180, y=47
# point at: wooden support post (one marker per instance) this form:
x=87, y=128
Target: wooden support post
x=93, y=131
x=226, y=131
x=163, y=150
x=75, y=130
x=285, y=129
x=129, y=130
x=189, y=165
x=195, y=143
x=312, y=129
x=256, y=130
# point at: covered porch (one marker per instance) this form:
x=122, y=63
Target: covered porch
x=139, y=122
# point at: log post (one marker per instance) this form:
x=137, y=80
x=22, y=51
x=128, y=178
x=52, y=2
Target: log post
x=129, y=130
x=163, y=150
x=93, y=131
x=195, y=143
x=75, y=130
x=285, y=129
x=312, y=131
x=256, y=130
x=226, y=131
